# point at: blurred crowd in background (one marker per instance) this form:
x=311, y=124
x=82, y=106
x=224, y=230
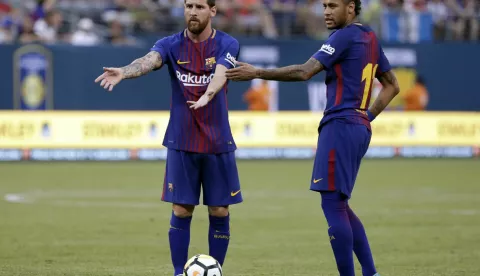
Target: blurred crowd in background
x=126, y=22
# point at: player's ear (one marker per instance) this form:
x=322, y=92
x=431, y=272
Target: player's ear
x=351, y=7
x=213, y=11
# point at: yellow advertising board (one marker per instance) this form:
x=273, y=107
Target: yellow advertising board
x=39, y=129
x=62, y=129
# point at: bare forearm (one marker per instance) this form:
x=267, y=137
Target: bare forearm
x=384, y=98
x=288, y=73
x=142, y=66
x=215, y=85
x=389, y=91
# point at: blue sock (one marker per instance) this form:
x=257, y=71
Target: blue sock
x=360, y=244
x=219, y=237
x=334, y=207
x=179, y=237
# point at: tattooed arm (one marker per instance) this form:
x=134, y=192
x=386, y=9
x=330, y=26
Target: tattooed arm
x=293, y=72
x=389, y=90
x=303, y=72
x=142, y=66
x=139, y=67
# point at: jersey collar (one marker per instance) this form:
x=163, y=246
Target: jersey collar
x=212, y=35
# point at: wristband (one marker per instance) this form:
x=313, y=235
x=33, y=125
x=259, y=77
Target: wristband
x=370, y=116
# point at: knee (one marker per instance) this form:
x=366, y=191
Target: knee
x=218, y=211
x=183, y=211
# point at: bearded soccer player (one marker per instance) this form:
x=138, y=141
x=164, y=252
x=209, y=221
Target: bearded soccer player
x=198, y=137
x=352, y=58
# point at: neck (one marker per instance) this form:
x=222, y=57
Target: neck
x=204, y=35
x=350, y=21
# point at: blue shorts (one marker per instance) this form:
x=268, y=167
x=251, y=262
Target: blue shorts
x=340, y=149
x=187, y=172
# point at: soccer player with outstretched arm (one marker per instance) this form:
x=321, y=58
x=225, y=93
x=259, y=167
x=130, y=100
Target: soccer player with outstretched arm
x=352, y=57
x=198, y=137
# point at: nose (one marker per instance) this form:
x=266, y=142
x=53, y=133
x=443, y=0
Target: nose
x=327, y=11
x=193, y=11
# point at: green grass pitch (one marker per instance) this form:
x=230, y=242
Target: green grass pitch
x=422, y=217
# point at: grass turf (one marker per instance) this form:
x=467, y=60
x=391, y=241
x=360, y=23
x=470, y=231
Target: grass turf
x=422, y=218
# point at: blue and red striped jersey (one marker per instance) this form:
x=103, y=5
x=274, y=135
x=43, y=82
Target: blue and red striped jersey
x=352, y=58
x=191, y=67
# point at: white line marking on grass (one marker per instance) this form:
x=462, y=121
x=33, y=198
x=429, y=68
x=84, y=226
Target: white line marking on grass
x=150, y=199
x=139, y=205
x=18, y=198
x=465, y=212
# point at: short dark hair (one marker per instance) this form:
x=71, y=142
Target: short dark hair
x=358, y=5
x=210, y=3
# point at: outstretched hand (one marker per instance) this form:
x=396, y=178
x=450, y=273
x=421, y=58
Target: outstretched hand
x=110, y=77
x=243, y=72
x=203, y=101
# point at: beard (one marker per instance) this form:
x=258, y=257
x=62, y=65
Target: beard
x=196, y=26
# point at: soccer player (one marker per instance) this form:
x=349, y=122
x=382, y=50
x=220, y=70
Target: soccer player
x=352, y=57
x=198, y=137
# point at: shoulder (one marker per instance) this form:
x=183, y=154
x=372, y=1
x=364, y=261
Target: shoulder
x=348, y=33
x=341, y=37
x=225, y=39
x=171, y=39
x=359, y=30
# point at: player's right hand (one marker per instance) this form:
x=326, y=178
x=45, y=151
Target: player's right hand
x=110, y=77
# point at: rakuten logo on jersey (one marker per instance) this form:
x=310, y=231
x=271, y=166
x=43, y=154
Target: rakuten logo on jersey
x=327, y=49
x=194, y=80
x=231, y=59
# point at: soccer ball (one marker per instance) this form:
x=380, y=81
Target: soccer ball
x=202, y=265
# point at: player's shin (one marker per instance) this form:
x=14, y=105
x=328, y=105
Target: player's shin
x=361, y=246
x=179, y=237
x=339, y=231
x=219, y=237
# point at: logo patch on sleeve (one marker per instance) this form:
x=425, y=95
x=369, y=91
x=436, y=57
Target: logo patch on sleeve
x=326, y=48
x=231, y=59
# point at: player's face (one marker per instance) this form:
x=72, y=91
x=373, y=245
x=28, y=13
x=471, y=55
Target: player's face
x=337, y=12
x=198, y=15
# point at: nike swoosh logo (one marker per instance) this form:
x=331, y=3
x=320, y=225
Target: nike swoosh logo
x=196, y=273
x=317, y=180
x=234, y=193
x=182, y=62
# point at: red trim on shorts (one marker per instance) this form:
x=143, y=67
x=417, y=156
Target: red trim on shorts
x=331, y=170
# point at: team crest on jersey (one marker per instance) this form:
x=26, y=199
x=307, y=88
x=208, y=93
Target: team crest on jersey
x=209, y=62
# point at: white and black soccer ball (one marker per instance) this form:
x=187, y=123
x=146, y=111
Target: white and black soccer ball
x=202, y=265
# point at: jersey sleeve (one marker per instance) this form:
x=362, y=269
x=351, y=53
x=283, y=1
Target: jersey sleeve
x=229, y=55
x=383, y=63
x=162, y=47
x=334, y=49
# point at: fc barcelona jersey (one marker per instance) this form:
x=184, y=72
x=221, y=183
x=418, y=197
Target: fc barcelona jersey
x=353, y=58
x=191, y=67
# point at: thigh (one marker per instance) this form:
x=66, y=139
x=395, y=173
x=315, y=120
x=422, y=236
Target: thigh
x=182, y=178
x=219, y=176
x=340, y=149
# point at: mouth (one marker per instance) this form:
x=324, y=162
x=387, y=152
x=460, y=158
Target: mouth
x=329, y=20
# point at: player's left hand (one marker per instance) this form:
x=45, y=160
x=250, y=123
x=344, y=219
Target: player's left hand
x=243, y=72
x=203, y=101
